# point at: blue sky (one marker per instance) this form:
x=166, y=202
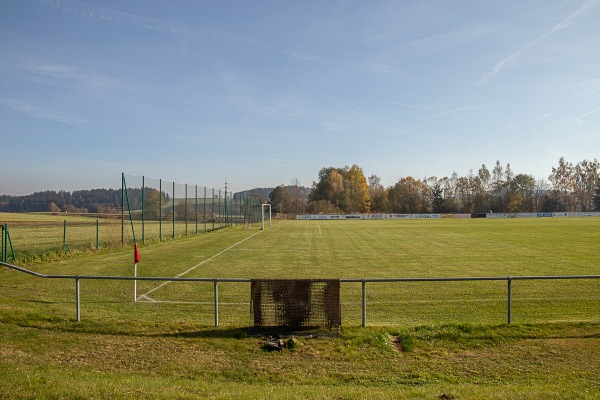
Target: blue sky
x=260, y=92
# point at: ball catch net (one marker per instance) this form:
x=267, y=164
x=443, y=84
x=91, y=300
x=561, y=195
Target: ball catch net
x=296, y=303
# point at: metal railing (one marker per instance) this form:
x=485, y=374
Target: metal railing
x=508, y=279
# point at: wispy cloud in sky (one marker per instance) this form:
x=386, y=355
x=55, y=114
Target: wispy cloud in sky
x=591, y=136
x=50, y=69
x=464, y=153
x=41, y=112
x=562, y=24
x=458, y=110
x=370, y=99
x=113, y=17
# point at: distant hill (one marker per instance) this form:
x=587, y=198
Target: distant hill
x=93, y=201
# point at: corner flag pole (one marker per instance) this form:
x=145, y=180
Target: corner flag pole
x=136, y=260
x=136, y=253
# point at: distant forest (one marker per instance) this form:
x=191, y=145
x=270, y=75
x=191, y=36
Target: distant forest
x=101, y=201
x=82, y=201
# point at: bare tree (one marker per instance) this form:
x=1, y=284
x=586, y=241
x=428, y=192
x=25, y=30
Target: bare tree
x=296, y=197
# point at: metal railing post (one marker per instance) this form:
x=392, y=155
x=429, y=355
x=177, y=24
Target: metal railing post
x=364, y=303
x=509, y=300
x=2, y=258
x=216, y=291
x=77, y=300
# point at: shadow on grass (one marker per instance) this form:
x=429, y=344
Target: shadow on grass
x=457, y=333
x=252, y=331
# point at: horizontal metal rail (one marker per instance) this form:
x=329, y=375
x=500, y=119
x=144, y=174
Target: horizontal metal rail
x=362, y=281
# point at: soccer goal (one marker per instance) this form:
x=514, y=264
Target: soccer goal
x=263, y=215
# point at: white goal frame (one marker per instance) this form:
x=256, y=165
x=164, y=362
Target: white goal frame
x=263, y=215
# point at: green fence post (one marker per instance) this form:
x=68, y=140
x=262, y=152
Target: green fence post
x=212, y=210
x=186, y=212
x=160, y=210
x=6, y=242
x=65, y=237
x=2, y=252
x=225, y=205
x=220, y=216
x=122, y=208
x=196, y=208
x=173, y=201
x=204, y=212
x=97, y=223
x=143, y=186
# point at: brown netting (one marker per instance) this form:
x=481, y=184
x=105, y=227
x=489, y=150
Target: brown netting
x=298, y=303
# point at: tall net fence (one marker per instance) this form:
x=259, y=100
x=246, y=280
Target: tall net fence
x=155, y=209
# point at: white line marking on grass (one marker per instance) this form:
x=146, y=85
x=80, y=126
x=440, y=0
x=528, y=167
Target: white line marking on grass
x=147, y=298
x=319, y=227
x=197, y=265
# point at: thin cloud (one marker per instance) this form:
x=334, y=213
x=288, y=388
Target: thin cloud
x=590, y=136
x=365, y=103
x=577, y=119
x=51, y=69
x=515, y=125
x=88, y=78
x=41, y=112
x=545, y=116
x=117, y=18
x=113, y=17
x=458, y=110
x=563, y=24
x=587, y=114
x=590, y=83
x=464, y=153
x=413, y=106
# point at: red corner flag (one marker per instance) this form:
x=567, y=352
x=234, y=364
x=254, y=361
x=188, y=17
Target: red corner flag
x=136, y=254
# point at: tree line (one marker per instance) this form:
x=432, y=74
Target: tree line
x=570, y=187
x=79, y=201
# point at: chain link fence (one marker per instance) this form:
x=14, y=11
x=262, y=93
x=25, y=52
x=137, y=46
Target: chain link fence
x=142, y=210
x=158, y=210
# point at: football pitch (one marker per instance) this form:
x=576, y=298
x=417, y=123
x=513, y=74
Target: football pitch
x=355, y=250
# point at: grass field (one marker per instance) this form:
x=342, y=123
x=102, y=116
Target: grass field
x=46, y=237
x=423, y=340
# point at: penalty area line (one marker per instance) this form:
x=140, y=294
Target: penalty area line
x=198, y=265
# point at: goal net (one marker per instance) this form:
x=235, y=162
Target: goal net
x=297, y=303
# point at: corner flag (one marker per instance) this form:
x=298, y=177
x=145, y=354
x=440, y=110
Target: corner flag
x=136, y=254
